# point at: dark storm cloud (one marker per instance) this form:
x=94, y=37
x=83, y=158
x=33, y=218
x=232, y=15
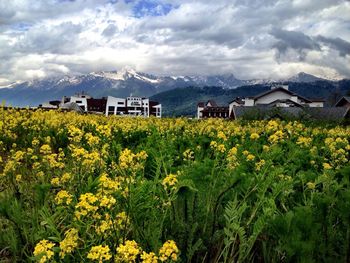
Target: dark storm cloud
x=294, y=40
x=59, y=39
x=336, y=43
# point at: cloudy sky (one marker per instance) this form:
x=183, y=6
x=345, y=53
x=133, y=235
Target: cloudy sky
x=249, y=38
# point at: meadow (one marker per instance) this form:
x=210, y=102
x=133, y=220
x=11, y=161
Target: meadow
x=87, y=188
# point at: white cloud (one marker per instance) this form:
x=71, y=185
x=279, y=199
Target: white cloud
x=47, y=37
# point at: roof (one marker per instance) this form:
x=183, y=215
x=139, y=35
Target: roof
x=55, y=102
x=212, y=102
x=284, y=101
x=279, y=89
x=316, y=113
x=238, y=100
x=215, y=109
x=329, y=113
x=342, y=100
x=317, y=99
x=71, y=106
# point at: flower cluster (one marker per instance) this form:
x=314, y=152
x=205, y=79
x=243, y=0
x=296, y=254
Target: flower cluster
x=188, y=155
x=170, y=182
x=128, y=251
x=169, y=250
x=69, y=243
x=131, y=161
x=99, y=253
x=219, y=147
x=63, y=197
x=43, y=251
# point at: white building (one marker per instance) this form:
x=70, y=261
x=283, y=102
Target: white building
x=133, y=106
x=80, y=100
x=278, y=96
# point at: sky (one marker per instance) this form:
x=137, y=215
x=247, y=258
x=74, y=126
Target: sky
x=253, y=39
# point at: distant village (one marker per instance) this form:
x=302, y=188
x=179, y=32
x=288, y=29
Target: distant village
x=279, y=102
x=131, y=106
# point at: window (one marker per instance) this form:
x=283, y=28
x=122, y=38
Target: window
x=111, y=108
x=120, y=103
x=78, y=101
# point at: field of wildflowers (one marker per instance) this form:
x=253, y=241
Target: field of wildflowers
x=86, y=188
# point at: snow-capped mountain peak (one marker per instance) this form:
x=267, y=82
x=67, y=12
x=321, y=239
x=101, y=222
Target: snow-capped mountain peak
x=304, y=77
x=126, y=73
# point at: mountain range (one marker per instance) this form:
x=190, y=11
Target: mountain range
x=127, y=81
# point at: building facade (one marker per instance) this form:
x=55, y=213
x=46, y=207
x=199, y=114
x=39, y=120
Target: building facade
x=131, y=106
x=211, y=110
x=279, y=96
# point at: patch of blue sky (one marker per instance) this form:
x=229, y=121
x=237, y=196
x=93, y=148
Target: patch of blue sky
x=143, y=8
x=21, y=26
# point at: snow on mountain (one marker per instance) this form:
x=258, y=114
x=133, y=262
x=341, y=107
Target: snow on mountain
x=122, y=83
x=304, y=77
x=126, y=74
x=9, y=86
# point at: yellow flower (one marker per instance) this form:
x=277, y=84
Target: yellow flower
x=40, y=174
x=128, y=251
x=254, y=136
x=99, y=253
x=63, y=197
x=87, y=205
x=104, y=226
x=65, y=177
x=222, y=136
x=18, y=178
x=43, y=251
x=92, y=140
x=311, y=185
x=149, y=257
x=250, y=157
x=170, y=181
x=169, y=250
x=69, y=243
x=45, y=149
x=188, y=155
x=259, y=164
x=245, y=152
x=233, y=151
x=265, y=148
x=218, y=147
x=108, y=185
x=232, y=158
x=18, y=156
x=327, y=166
x=55, y=181
x=122, y=220
x=221, y=148
x=213, y=144
x=129, y=160
x=35, y=142
x=304, y=141
x=107, y=201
